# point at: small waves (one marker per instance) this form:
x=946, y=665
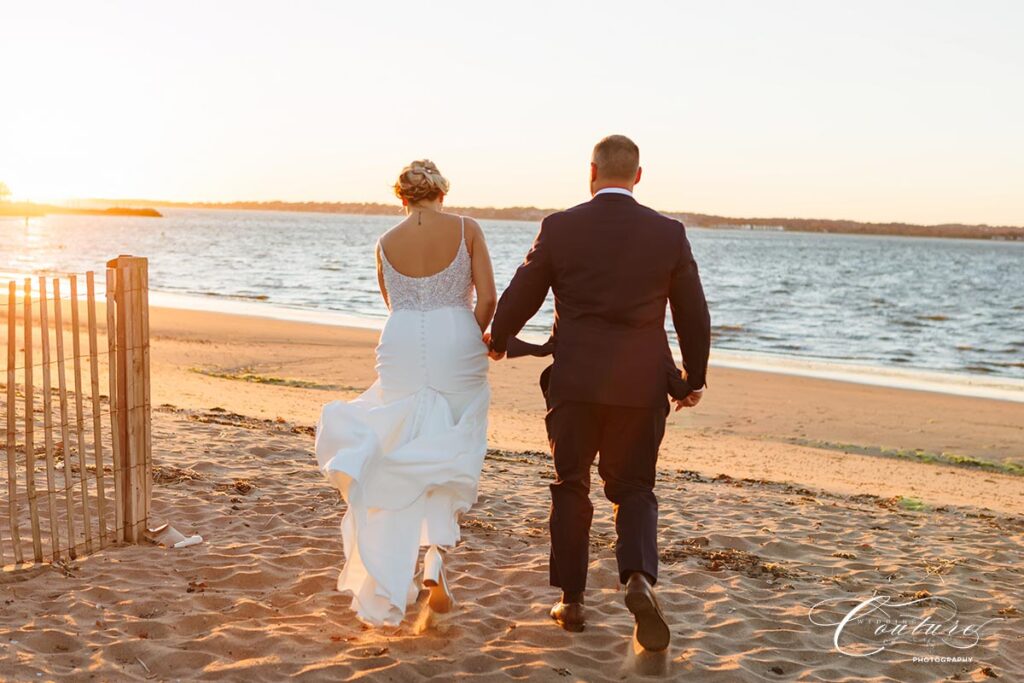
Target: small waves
x=244, y=297
x=882, y=301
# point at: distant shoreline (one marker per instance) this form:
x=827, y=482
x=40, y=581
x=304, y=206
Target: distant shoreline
x=532, y=213
x=30, y=210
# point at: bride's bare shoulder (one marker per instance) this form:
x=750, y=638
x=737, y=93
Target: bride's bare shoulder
x=473, y=229
x=392, y=234
x=474, y=234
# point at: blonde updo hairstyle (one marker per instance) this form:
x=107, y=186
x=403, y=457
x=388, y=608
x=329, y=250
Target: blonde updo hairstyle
x=420, y=181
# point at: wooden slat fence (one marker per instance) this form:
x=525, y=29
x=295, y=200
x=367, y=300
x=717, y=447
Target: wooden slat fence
x=87, y=482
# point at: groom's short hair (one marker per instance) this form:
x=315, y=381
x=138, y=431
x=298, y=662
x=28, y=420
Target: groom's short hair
x=616, y=157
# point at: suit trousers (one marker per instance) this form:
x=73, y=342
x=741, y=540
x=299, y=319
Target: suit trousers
x=627, y=439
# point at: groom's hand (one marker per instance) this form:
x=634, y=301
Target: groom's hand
x=692, y=399
x=491, y=353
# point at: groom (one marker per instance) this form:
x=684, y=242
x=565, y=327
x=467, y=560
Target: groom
x=612, y=264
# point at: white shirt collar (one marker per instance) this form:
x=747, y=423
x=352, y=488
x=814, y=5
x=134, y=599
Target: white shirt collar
x=616, y=190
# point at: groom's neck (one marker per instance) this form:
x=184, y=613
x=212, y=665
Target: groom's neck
x=599, y=185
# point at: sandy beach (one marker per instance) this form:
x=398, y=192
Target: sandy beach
x=210, y=211
x=777, y=493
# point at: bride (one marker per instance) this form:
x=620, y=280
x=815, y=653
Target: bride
x=406, y=454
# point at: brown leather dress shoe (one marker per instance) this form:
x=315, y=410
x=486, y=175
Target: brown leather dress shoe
x=569, y=615
x=652, y=630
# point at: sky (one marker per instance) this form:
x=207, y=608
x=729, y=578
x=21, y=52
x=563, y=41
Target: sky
x=879, y=111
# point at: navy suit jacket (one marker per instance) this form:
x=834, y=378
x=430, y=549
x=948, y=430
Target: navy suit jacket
x=613, y=265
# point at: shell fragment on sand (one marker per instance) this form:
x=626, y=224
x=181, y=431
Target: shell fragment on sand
x=167, y=536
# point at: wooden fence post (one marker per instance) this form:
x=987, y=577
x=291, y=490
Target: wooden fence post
x=97, y=423
x=12, y=456
x=116, y=422
x=131, y=394
x=76, y=353
x=65, y=427
x=30, y=450
x=51, y=473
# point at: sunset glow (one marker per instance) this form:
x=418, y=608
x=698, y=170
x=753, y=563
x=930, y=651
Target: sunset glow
x=871, y=111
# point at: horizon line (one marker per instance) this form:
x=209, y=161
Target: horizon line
x=525, y=207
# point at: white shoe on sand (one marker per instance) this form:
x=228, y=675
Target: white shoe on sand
x=440, y=599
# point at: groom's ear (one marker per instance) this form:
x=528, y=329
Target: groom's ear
x=639, y=172
x=593, y=171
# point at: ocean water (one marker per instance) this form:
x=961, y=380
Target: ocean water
x=952, y=306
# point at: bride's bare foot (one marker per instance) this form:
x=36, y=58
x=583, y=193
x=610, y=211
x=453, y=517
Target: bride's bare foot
x=440, y=599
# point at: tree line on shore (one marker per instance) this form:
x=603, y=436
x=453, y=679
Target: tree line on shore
x=534, y=214
x=145, y=207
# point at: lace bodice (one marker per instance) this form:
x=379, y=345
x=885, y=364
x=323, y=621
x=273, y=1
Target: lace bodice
x=449, y=287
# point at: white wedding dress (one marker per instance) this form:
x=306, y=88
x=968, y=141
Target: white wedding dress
x=406, y=454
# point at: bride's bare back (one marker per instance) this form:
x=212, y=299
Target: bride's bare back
x=424, y=243
x=427, y=242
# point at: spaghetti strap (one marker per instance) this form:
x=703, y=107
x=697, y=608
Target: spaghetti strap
x=462, y=221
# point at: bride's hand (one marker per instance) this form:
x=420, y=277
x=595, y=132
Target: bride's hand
x=493, y=355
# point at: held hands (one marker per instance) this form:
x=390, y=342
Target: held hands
x=492, y=354
x=692, y=399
